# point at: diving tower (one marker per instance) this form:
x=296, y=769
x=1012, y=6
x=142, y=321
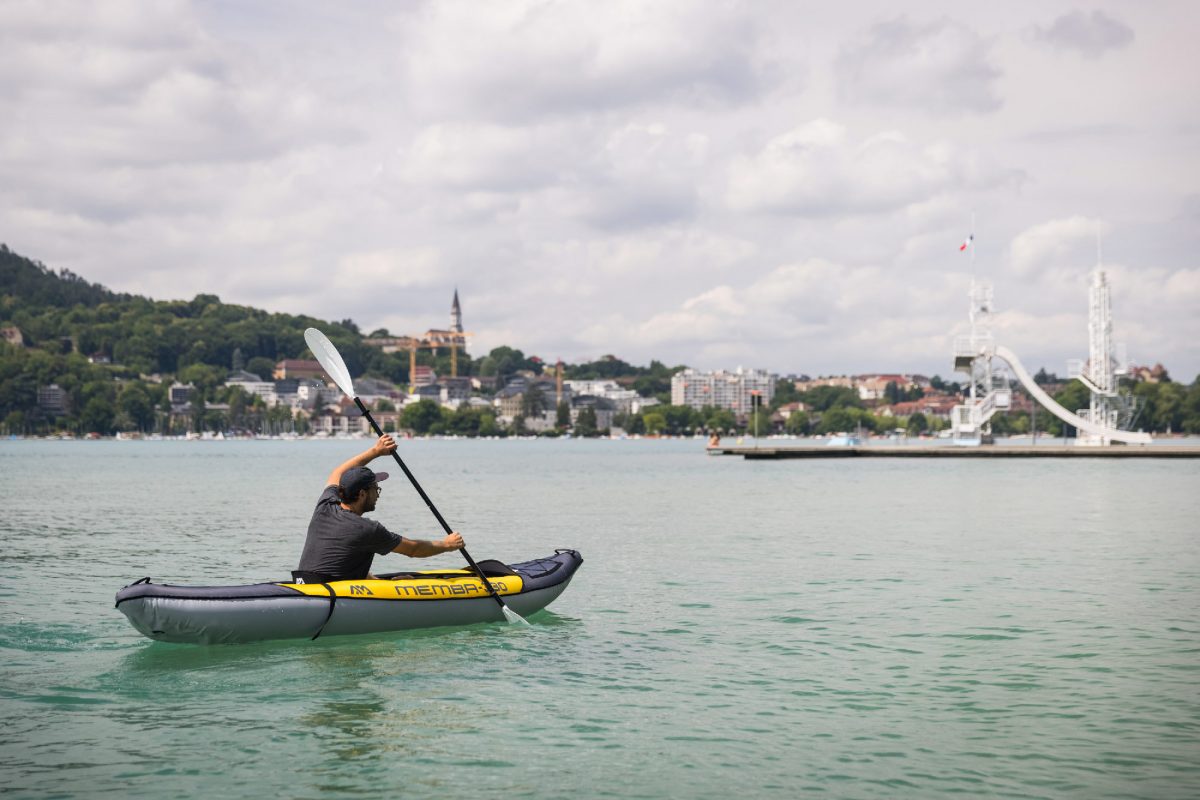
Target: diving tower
x=1109, y=410
x=987, y=389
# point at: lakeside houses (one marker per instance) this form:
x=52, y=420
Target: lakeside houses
x=511, y=402
x=874, y=387
x=785, y=411
x=936, y=405
x=373, y=390
x=422, y=376
x=603, y=408
x=180, y=393
x=53, y=399
x=252, y=384
x=535, y=398
x=731, y=391
x=486, y=384
x=624, y=401
x=298, y=368
x=869, y=386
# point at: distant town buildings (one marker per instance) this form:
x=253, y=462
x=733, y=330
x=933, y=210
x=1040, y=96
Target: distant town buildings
x=422, y=376
x=298, y=368
x=869, y=387
x=454, y=338
x=53, y=399
x=623, y=400
x=181, y=393
x=250, y=383
x=733, y=391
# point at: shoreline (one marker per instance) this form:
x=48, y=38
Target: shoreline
x=766, y=448
x=955, y=451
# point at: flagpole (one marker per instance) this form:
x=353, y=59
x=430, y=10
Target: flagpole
x=972, y=248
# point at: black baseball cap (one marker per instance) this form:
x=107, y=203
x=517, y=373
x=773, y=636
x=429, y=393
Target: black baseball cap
x=355, y=479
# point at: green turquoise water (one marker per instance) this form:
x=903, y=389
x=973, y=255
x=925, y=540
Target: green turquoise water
x=853, y=628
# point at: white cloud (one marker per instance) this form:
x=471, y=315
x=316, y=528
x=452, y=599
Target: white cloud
x=943, y=67
x=710, y=183
x=530, y=59
x=1054, y=244
x=130, y=85
x=635, y=175
x=489, y=157
x=385, y=270
x=817, y=169
x=791, y=311
x=1091, y=35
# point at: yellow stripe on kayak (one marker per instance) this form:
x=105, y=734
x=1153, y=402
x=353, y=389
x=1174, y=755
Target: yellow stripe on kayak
x=414, y=588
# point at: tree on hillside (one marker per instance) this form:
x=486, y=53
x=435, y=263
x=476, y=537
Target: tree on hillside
x=262, y=367
x=137, y=405
x=798, y=423
x=504, y=362
x=533, y=402
x=654, y=422
x=821, y=398
x=1043, y=377
x=785, y=392
x=420, y=416
x=585, y=423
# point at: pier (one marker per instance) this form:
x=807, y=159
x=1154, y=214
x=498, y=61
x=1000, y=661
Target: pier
x=951, y=451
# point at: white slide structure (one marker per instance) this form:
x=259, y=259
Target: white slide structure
x=1047, y=402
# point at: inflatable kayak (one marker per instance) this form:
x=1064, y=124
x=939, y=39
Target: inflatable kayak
x=393, y=602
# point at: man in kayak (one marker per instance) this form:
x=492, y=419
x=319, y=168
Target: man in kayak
x=341, y=543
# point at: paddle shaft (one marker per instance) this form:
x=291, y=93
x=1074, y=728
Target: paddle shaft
x=413, y=479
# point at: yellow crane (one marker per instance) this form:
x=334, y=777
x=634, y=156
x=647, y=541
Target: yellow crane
x=436, y=339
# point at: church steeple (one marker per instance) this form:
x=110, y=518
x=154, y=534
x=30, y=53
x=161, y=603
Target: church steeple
x=456, y=314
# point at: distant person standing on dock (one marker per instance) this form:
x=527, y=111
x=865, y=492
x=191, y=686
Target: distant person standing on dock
x=714, y=440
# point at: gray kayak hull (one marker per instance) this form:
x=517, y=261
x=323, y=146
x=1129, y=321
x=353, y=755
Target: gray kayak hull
x=260, y=612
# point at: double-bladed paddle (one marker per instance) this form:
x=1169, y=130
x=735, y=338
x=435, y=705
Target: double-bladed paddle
x=331, y=361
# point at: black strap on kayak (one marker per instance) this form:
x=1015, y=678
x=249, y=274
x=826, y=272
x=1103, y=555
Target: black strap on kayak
x=329, y=616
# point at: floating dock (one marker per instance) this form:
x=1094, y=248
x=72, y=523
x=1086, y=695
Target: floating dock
x=951, y=451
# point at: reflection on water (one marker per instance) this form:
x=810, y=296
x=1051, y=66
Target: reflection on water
x=855, y=628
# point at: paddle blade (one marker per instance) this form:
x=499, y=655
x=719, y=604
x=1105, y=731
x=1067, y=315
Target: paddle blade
x=513, y=617
x=330, y=359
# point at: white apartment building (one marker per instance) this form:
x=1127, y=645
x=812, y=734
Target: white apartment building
x=251, y=384
x=729, y=390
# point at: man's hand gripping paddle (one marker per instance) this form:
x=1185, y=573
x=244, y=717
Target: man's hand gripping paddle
x=331, y=361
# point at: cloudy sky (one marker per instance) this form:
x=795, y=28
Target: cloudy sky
x=770, y=184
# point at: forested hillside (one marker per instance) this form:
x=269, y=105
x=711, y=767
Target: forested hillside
x=115, y=355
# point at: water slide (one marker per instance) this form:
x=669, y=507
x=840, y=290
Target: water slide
x=1129, y=437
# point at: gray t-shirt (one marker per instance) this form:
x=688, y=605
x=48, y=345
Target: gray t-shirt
x=340, y=543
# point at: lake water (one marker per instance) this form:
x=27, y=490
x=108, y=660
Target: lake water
x=854, y=628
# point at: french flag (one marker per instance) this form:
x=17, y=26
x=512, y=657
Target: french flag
x=967, y=243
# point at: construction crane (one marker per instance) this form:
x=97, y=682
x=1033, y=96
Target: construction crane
x=451, y=339
x=431, y=341
x=435, y=340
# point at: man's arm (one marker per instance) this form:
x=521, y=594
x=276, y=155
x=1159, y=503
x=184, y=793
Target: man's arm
x=384, y=447
x=419, y=548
